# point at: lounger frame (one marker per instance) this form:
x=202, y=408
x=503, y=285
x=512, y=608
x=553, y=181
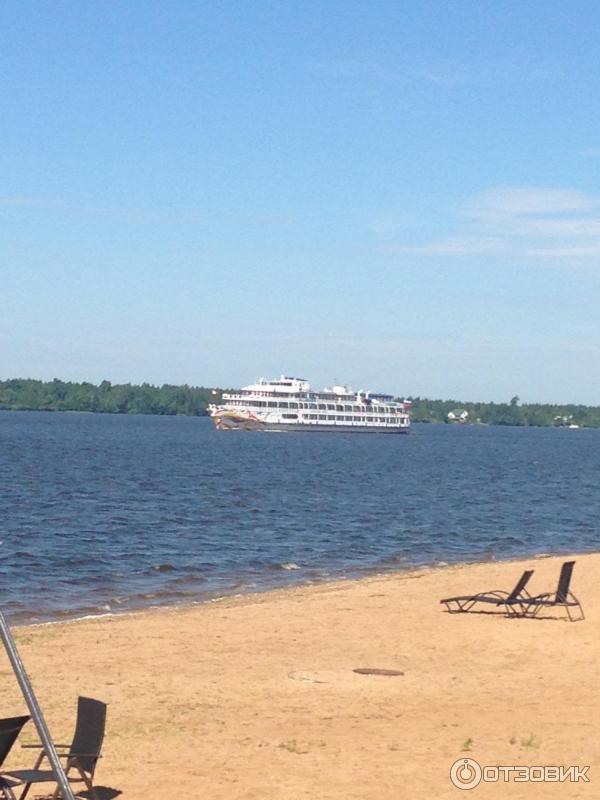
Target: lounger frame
x=514, y=602
x=563, y=597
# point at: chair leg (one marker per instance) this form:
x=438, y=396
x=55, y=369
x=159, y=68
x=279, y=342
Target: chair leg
x=87, y=779
x=7, y=792
x=37, y=765
x=25, y=791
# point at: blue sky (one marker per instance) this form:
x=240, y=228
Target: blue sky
x=401, y=196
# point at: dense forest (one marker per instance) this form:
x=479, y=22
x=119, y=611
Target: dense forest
x=57, y=395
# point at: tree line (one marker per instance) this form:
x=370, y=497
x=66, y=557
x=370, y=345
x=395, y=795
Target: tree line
x=127, y=398
x=511, y=413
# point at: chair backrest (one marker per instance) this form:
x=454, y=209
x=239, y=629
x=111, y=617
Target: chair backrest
x=10, y=728
x=521, y=584
x=89, y=733
x=564, y=581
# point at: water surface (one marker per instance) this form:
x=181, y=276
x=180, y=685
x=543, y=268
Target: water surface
x=106, y=513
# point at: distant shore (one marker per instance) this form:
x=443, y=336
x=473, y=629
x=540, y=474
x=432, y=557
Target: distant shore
x=20, y=394
x=257, y=696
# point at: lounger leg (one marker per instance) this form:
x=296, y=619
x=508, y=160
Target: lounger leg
x=536, y=610
x=461, y=606
x=578, y=606
x=452, y=609
x=514, y=609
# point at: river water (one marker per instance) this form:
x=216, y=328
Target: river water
x=102, y=513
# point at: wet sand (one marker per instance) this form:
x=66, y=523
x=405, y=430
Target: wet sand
x=257, y=698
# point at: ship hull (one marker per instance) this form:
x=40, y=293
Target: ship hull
x=307, y=428
x=229, y=423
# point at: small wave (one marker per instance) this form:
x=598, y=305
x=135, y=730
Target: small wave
x=288, y=565
x=24, y=554
x=394, y=559
x=188, y=580
x=164, y=568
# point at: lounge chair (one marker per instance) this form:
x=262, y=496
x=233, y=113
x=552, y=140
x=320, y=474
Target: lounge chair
x=510, y=600
x=81, y=756
x=562, y=597
x=10, y=728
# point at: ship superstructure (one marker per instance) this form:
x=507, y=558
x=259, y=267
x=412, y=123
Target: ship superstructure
x=289, y=404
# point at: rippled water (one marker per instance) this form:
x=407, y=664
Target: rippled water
x=103, y=513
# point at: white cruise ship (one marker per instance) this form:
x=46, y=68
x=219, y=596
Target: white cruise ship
x=289, y=404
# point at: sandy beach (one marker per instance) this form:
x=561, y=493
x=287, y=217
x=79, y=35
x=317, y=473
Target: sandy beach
x=256, y=697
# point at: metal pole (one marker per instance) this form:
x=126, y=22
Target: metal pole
x=34, y=708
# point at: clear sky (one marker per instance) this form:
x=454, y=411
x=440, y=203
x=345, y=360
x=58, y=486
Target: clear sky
x=402, y=196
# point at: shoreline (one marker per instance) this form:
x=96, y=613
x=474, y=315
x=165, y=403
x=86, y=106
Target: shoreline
x=429, y=421
x=256, y=697
x=197, y=600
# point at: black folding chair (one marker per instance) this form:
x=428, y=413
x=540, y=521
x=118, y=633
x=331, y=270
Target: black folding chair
x=513, y=602
x=10, y=728
x=81, y=756
x=562, y=597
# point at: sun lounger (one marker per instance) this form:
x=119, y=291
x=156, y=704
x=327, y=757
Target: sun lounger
x=562, y=597
x=513, y=602
x=80, y=757
x=10, y=728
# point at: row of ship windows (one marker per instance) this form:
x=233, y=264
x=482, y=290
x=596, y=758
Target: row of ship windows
x=320, y=406
x=338, y=418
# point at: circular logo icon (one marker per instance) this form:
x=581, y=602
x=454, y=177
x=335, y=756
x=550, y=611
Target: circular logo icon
x=465, y=773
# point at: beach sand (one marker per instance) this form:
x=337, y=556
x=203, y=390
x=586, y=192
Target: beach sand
x=256, y=697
